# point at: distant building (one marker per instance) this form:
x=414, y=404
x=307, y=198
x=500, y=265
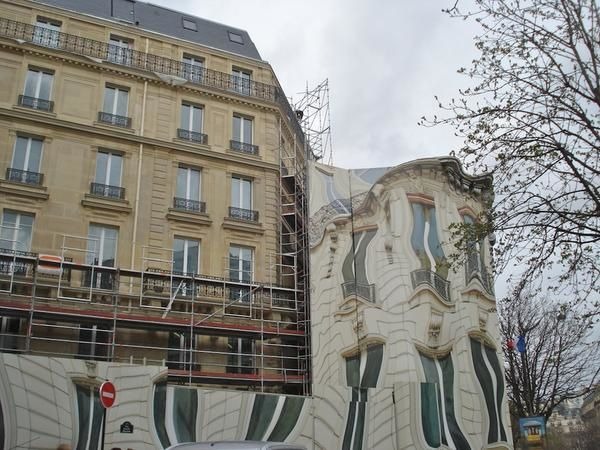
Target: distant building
x=155, y=231
x=566, y=417
x=590, y=407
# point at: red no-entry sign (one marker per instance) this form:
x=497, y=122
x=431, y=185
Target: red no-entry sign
x=108, y=394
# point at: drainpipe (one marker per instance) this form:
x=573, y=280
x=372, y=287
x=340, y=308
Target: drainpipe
x=139, y=173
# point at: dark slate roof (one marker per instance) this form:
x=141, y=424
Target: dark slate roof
x=165, y=21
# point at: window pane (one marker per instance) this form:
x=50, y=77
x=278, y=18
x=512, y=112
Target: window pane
x=247, y=131
x=35, y=156
x=116, y=166
x=20, y=153
x=109, y=100
x=196, y=119
x=31, y=83
x=101, y=167
x=194, y=185
x=46, y=86
x=192, y=256
x=185, y=117
x=178, y=255
x=235, y=192
x=181, y=190
x=246, y=194
x=109, y=251
x=237, y=128
x=122, y=99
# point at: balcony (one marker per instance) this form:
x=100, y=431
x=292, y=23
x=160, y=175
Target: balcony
x=36, y=103
x=364, y=291
x=244, y=147
x=476, y=269
x=185, y=204
x=113, y=119
x=433, y=280
x=192, y=136
x=246, y=215
x=104, y=190
x=23, y=176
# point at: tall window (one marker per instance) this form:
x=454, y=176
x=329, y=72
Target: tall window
x=107, y=182
x=94, y=341
x=90, y=415
x=119, y=50
x=241, y=81
x=240, y=358
x=16, y=230
x=191, y=123
x=101, y=251
x=115, y=101
x=47, y=32
x=241, y=262
x=37, y=91
x=188, y=192
x=27, y=156
x=241, y=193
x=186, y=254
x=193, y=68
x=242, y=129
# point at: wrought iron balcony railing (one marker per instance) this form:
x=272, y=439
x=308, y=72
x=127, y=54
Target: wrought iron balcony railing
x=186, y=204
x=432, y=279
x=243, y=147
x=193, y=136
x=104, y=190
x=24, y=176
x=36, y=103
x=365, y=291
x=145, y=61
x=113, y=119
x=243, y=214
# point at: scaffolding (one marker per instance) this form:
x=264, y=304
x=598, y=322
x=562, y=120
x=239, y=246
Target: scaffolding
x=313, y=113
x=206, y=330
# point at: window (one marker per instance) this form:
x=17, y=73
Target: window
x=235, y=37
x=241, y=81
x=191, y=123
x=119, y=50
x=115, y=106
x=101, y=251
x=193, y=67
x=107, y=182
x=190, y=24
x=188, y=191
x=47, y=32
x=240, y=359
x=9, y=333
x=241, y=193
x=242, y=135
x=186, y=254
x=241, y=269
x=90, y=415
x=16, y=231
x=25, y=166
x=38, y=88
x=93, y=341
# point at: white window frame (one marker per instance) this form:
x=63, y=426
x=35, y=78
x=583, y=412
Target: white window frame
x=119, y=50
x=12, y=232
x=240, y=269
x=47, y=24
x=116, y=97
x=186, y=247
x=195, y=70
x=242, y=181
x=243, y=81
x=109, y=168
x=242, y=137
x=26, y=166
x=188, y=182
x=193, y=111
x=98, y=245
x=38, y=74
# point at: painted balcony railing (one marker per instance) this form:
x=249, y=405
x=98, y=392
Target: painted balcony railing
x=243, y=147
x=365, y=291
x=104, y=190
x=432, y=279
x=113, y=119
x=145, y=61
x=475, y=269
x=36, y=103
x=193, y=136
x=24, y=176
x=243, y=214
x=186, y=204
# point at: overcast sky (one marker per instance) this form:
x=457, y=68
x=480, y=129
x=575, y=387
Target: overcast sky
x=385, y=61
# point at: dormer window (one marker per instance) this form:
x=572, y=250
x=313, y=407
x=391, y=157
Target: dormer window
x=235, y=37
x=190, y=24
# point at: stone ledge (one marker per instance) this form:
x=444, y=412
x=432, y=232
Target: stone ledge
x=24, y=190
x=240, y=225
x=116, y=205
x=189, y=217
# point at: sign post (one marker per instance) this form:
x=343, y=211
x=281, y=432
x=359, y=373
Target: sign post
x=108, y=395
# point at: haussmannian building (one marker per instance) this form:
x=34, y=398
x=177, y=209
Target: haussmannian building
x=159, y=202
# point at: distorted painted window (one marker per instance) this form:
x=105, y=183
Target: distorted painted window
x=439, y=372
x=355, y=267
x=279, y=414
x=90, y=418
x=362, y=373
x=491, y=380
x=425, y=240
x=176, y=414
